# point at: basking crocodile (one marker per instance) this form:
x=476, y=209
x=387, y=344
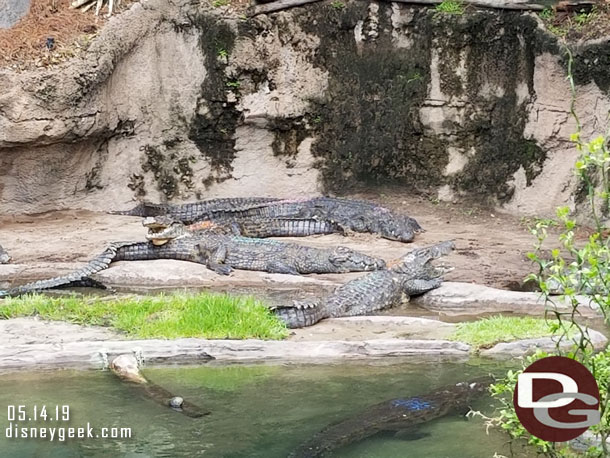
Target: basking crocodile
x=251, y=227
x=4, y=256
x=197, y=211
x=219, y=252
x=393, y=415
x=411, y=275
x=223, y=253
x=349, y=215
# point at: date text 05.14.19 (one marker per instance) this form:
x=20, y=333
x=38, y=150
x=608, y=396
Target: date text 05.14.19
x=36, y=413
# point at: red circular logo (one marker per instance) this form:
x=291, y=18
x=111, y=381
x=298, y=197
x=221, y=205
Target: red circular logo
x=557, y=399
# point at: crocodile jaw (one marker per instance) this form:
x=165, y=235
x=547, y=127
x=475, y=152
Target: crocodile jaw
x=159, y=242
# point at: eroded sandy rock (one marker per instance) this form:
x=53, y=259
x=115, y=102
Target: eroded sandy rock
x=180, y=101
x=530, y=346
x=454, y=298
x=11, y=11
x=21, y=331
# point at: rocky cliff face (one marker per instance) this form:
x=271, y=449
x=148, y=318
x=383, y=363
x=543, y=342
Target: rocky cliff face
x=177, y=102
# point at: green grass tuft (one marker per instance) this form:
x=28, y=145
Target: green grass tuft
x=450, y=7
x=208, y=315
x=487, y=332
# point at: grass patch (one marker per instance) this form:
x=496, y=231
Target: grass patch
x=487, y=332
x=450, y=7
x=209, y=315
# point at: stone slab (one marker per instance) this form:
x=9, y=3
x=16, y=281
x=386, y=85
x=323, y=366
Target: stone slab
x=454, y=298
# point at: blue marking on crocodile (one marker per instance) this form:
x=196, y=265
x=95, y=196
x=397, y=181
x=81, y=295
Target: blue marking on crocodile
x=411, y=404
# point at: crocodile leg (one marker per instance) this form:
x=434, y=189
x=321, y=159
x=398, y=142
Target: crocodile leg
x=278, y=267
x=215, y=255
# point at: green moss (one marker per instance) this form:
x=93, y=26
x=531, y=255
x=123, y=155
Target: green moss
x=212, y=129
x=450, y=7
x=370, y=130
x=208, y=315
x=489, y=331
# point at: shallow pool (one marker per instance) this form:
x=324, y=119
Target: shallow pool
x=257, y=411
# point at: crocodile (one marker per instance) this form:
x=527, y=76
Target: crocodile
x=223, y=253
x=209, y=245
x=4, y=256
x=250, y=227
x=410, y=275
x=350, y=215
x=393, y=415
x=197, y=211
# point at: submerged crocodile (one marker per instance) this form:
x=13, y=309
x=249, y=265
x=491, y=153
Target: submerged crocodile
x=413, y=274
x=393, y=415
x=4, y=256
x=349, y=215
x=223, y=253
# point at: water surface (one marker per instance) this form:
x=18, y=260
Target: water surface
x=257, y=410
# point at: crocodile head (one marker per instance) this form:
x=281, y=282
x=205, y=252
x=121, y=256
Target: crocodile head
x=418, y=263
x=347, y=260
x=162, y=229
x=396, y=227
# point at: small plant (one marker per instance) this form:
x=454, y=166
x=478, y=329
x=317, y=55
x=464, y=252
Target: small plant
x=317, y=120
x=547, y=14
x=219, y=3
x=490, y=331
x=573, y=269
x=208, y=315
x=532, y=222
x=557, y=30
x=223, y=53
x=234, y=84
x=450, y=7
x=583, y=17
x=337, y=4
x=416, y=76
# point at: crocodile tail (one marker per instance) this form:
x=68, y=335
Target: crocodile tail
x=144, y=209
x=301, y=314
x=77, y=278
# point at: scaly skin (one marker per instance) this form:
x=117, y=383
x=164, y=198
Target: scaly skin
x=393, y=415
x=349, y=215
x=196, y=211
x=411, y=275
x=288, y=227
x=185, y=249
x=225, y=253
x=247, y=227
x=4, y=256
x=221, y=253
x=79, y=277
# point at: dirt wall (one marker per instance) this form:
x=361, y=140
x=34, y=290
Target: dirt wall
x=177, y=101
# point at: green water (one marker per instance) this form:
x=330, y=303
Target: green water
x=257, y=411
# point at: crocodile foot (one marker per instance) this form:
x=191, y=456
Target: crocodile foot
x=221, y=269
